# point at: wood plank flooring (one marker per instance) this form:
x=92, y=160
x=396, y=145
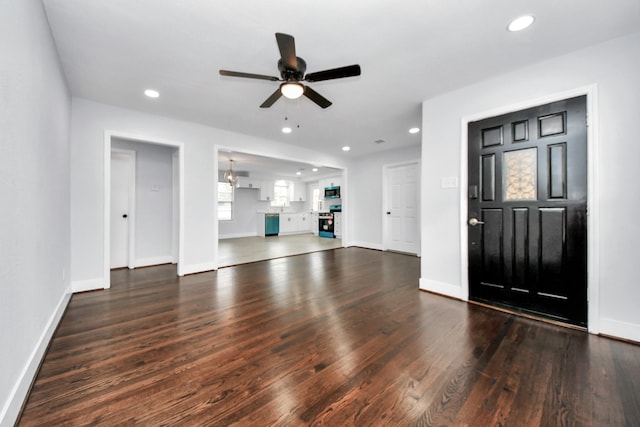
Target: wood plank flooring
x=332, y=338
x=243, y=250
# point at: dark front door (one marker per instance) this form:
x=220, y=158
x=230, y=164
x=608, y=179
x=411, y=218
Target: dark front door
x=527, y=210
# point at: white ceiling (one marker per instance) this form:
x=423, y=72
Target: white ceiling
x=409, y=51
x=268, y=168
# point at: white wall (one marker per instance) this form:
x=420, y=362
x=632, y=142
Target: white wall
x=154, y=199
x=365, y=195
x=90, y=120
x=34, y=189
x=245, y=208
x=614, y=67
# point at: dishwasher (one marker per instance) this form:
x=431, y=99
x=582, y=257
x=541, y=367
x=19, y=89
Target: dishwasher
x=271, y=224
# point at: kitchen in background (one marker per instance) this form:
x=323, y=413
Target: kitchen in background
x=316, y=207
x=272, y=197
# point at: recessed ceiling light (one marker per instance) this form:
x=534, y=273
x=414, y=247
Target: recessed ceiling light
x=414, y=130
x=521, y=23
x=152, y=93
x=315, y=169
x=346, y=148
x=298, y=173
x=286, y=129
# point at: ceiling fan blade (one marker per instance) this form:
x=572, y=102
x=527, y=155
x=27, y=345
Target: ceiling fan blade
x=272, y=99
x=287, y=46
x=316, y=97
x=248, y=75
x=335, y=73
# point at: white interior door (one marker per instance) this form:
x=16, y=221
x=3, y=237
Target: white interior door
x=402, y=208
x=122, y=168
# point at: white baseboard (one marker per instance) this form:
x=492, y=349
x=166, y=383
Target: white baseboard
x=199, y=268
x=13, y=405
x=236, y=235
x=624, y=330
x=145, y=262
x=87, y=285
x=441, y=288
x=366, y=245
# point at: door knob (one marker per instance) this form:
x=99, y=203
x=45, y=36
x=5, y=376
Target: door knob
x=474, y=221
x=124, y=215
x=388, y=213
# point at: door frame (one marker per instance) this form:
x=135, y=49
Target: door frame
x=385, y=201
x=131, y=211
x=593, y=191
x=106, y=254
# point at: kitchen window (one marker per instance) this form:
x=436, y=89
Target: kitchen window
x=282, y=193
x=225, y=201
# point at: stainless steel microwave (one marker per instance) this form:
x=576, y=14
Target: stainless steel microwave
x=332, y=192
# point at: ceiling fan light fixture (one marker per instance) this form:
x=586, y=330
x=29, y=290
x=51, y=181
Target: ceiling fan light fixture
x=291, y=90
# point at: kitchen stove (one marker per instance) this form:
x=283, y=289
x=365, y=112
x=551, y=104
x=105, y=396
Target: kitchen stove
x=325, y=225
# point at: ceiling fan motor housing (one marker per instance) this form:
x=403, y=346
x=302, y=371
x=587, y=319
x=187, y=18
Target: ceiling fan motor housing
x=292, y=75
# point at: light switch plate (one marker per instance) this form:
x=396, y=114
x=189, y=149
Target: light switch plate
x=449, y=182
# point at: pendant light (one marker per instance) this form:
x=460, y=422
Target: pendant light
x=229, y=175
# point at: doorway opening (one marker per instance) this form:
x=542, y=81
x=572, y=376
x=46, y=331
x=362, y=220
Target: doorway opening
x=278, y=191
x=150, y=197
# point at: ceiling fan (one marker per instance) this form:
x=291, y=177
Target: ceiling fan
x=292, y=72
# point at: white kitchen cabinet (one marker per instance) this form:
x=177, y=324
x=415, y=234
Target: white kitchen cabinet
x=335, y=181
x=337, y=224
x=296, y=223
x=248, y=183
x=266, y=190
x=299, y=192
x=304, y=222
x=288, y=223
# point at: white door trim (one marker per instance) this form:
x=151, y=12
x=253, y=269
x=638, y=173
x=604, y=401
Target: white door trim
x=385, y=203
x=593, y=192
x=108, y=135
x=175, y=206
x=131, y=214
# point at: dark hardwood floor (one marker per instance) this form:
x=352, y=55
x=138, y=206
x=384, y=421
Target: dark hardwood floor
x=341, y=337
